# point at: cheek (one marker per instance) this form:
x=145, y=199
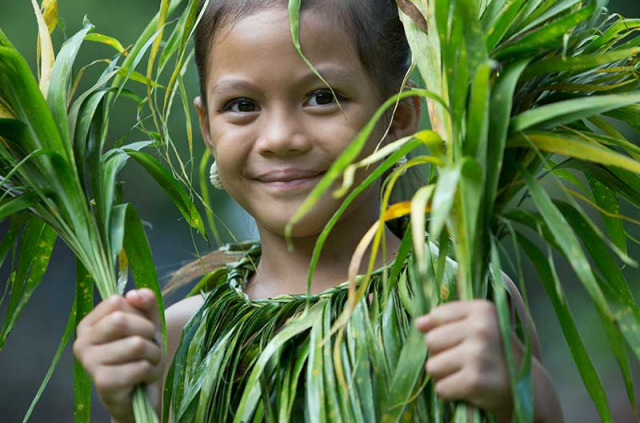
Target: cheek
x=227, y=142
x=206, y=123
x=338, y=134
x=230, y=162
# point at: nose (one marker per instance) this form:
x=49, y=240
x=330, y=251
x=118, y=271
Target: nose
x=282, y=134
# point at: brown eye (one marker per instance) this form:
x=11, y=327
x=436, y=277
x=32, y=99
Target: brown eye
x=323, y=98
x=241, y=105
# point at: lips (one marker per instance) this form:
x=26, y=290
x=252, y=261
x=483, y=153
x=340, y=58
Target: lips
x=290, y=178
x=288, y=175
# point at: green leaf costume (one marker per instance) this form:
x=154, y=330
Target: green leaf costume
x=279, y=359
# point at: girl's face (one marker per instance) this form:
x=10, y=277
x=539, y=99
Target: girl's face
x=273, y=126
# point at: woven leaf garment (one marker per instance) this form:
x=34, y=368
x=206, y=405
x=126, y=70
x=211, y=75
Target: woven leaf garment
x=279, y=359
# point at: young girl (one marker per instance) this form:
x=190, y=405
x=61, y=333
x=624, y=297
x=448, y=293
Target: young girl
x=274, y=129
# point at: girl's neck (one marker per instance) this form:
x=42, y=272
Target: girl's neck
x=283, y=272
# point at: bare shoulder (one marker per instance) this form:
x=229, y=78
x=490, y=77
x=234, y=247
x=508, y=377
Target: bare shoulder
x=177, y=317
x=179, y=313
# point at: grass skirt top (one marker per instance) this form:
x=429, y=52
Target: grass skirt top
x=300, y=358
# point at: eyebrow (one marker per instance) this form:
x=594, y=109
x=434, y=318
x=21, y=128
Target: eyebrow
x=231, y=83
x=330, y=74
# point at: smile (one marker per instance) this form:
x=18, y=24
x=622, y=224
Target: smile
x=290, y=179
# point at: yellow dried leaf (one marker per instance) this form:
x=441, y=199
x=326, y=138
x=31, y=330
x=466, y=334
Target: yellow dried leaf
x=399, y=210
x=50, y=13
x=47, y=57
x=5, y=111
x=106, y=40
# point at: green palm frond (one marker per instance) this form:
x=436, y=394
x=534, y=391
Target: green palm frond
x=58, y=179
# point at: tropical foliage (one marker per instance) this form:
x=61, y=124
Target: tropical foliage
x=527, y=101
x=58, y=179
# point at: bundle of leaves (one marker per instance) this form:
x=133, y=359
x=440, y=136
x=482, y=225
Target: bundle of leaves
x=59, y=180
x=529, y=102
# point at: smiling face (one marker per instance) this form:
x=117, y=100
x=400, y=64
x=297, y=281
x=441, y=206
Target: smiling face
x=273, y=126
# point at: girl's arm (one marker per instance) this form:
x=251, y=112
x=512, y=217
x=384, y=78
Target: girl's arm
x=467, y=359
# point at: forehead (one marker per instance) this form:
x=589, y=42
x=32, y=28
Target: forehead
x=261, y=44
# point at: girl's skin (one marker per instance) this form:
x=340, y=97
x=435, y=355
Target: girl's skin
x=274, y=129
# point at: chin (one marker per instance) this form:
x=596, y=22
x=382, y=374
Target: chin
x=311, y=225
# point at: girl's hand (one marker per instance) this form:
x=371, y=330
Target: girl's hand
x=466, y=355
x=115, y=344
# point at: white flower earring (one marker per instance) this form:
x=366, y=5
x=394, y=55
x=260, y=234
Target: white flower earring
x=214, y=177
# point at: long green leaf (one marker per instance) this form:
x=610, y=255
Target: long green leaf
x=607, y=199
x=521, y=387
x=567, y=242
x=502, y=22
x=139, y=254
x=551, y=283
x=625, y=305
x=15, y=205
x=578, y=64
x=546, y=36
x=81, y=378
x=569, y=111
x=20, y=90
x=572, y=146
x=443, y=198
x=405, y=379
x=60, y=80
x=175, y=191
x=69, y=329
x=250, y=397
x=36, y=246
x=501, y=110
x=315, y=393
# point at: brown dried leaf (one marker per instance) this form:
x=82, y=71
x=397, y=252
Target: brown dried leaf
x=412, y=11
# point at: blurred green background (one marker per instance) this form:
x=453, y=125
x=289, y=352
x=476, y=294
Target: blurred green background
x=29, y=350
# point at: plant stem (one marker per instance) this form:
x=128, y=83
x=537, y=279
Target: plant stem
x=143, y=410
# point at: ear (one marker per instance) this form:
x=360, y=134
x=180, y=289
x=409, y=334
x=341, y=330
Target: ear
x=406, y=119
x=204, y=123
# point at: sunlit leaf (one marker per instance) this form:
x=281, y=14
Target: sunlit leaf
x=106, y=40
x=572, y=146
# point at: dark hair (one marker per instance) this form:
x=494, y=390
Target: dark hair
x=374, y=26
